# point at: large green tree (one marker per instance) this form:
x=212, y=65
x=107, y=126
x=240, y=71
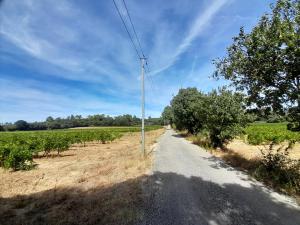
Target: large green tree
x=223, y=116
x=167, y=115
x=21, y=125
x=183, y=108
x=265, y=63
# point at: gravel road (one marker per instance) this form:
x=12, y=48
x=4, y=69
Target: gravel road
x=190, y=186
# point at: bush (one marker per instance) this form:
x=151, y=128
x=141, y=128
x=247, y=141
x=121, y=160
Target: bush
x=4, y=153
x=222, y=116
x=17, y=158
x=275, y=118
x=276, y=167
x=294, y=118
x=202, y=139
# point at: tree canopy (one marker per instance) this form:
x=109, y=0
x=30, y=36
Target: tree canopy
x=167, y=115
x=183, y=108
x=220, y=114
x=265, y=63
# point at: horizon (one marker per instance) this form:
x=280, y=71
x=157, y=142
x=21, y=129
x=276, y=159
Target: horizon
x=82, y=117
x=75, y=58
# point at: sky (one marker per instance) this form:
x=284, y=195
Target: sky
x=65, y=57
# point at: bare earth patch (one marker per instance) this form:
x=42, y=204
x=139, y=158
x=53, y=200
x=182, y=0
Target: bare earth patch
x=96, y=184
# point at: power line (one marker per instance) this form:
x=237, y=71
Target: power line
x=143, y=61
x=138, y=40
x=137, y=52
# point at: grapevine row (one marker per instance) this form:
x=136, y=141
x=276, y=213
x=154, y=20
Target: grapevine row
x=17, y=149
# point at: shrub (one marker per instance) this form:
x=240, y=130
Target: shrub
x=4, y=153
x=275, y=118
x=294, y=118
x=277, y=168
x=19, y=158
x=202, y=139
x=222, y=116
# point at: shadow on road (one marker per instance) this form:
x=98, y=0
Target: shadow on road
x=180, y=135
x=168, y=198
x=176, y=199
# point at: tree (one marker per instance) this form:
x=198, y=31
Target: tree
x=167, y=115
x=222, y=115
x=21, y=125
x=183, y=108
x=265, y=63
x=49, y=119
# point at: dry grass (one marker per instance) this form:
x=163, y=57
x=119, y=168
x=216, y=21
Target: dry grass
x=96, y=184
x=253, y=151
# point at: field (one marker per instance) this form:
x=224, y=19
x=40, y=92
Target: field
x=261, y=133
x=258, y=136
x=17, y=149
x=92, y=184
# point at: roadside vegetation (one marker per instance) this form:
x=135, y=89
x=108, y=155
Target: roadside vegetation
x=263, y=67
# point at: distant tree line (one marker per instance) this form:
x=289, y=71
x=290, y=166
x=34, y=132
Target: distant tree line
x=78, y=121
x=267, y=114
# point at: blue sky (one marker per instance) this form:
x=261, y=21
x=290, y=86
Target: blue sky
x=68, y=57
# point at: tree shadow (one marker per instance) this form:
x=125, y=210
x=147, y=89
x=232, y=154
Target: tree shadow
x=217, y=163
x=176, y=199
x=117, y=204
x=184, y=135
x=53, y=155
x=233, y=161
x=161, y=198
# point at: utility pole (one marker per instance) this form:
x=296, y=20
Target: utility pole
x=143, y=104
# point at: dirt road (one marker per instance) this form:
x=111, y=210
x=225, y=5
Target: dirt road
x=190, y=186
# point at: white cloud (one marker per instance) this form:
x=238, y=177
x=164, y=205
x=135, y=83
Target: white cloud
x=202, y=20
x=63, y=36
x=31, y=103
x=75, y=42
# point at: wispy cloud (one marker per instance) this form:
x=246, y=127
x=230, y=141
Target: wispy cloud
x=196, y=29
x=48, y=34
x=42, y=103
x=75, y=56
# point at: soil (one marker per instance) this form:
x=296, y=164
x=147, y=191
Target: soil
x=92, y=172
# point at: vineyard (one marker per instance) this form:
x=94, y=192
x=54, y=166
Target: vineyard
x=17, y=149
x=260, y=133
